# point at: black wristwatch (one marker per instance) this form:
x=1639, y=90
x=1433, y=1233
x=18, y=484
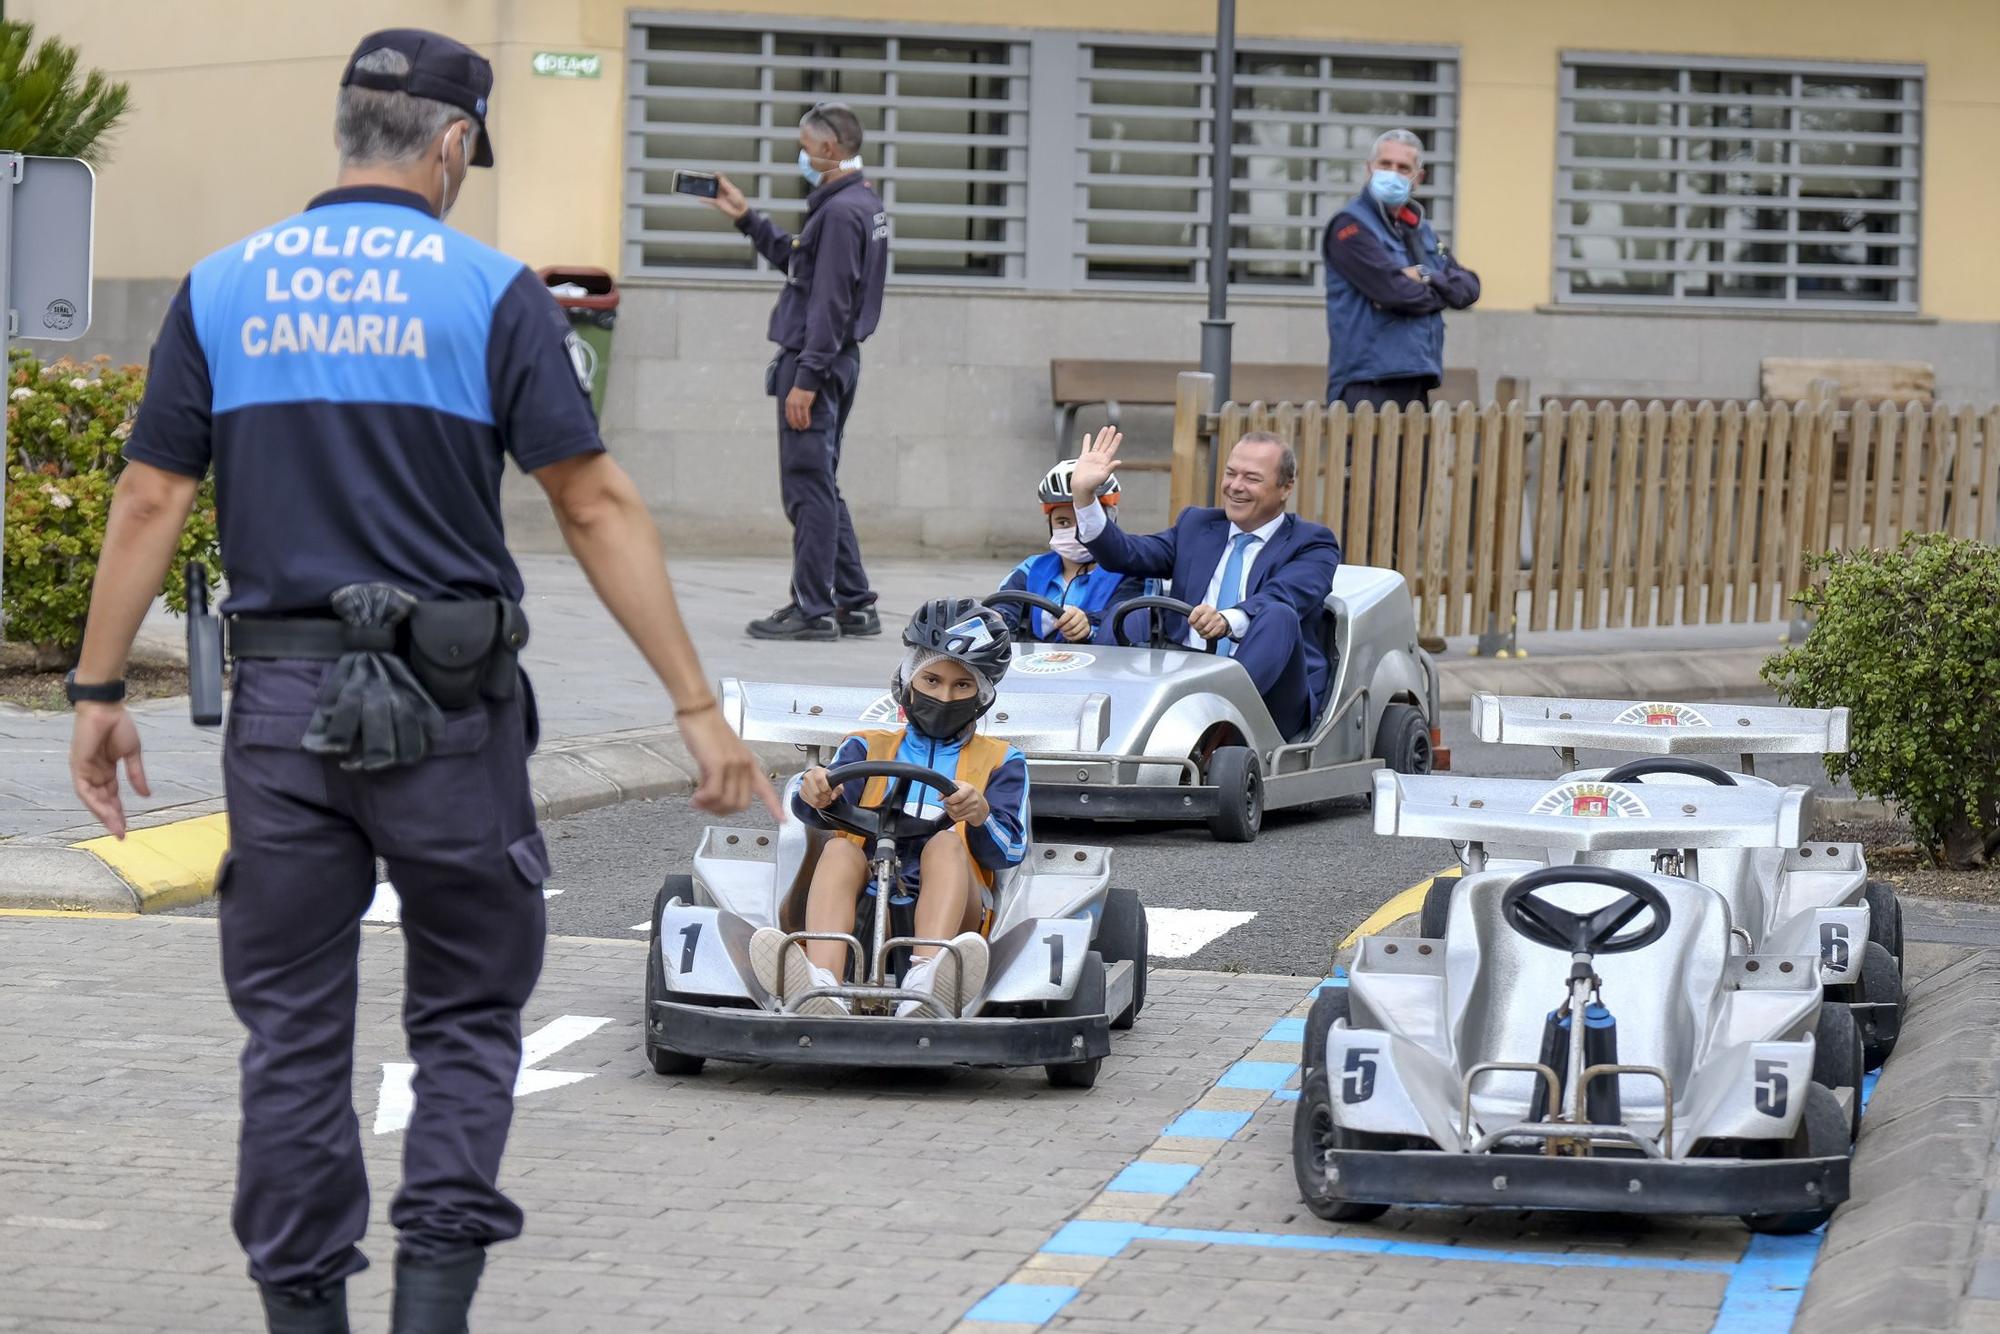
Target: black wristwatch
x=101, y=692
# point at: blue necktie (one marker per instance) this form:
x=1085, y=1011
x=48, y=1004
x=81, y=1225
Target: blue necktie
x=1231, y=591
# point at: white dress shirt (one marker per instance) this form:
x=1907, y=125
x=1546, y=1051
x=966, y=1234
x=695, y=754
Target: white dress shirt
x=1090, y=521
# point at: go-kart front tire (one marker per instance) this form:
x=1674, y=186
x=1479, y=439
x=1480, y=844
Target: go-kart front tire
x=1822, y=1133
x=1885, y=919
x=1121, y=936
x=1328, y=1008
x=663, y=1061
x=1838, y=1059
x=1234, y=769
x=1881, y=984
x=1313, y=1134
x=1403, y=740
x=1088, y=998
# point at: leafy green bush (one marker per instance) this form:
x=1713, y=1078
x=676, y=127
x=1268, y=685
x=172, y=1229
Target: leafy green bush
x=66, y=428
x=1909, y=640
x=44, y=108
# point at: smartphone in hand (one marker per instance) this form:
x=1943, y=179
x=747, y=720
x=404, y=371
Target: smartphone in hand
x=699, y=183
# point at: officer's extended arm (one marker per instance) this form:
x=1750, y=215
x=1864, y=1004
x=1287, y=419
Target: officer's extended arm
x=773, y=242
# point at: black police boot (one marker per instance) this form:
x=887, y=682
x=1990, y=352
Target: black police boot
x=434, y=1297
x=306, y=1310
x=788, y=622
x=859, y=621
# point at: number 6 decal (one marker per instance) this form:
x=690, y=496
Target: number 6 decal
x=1833, y=946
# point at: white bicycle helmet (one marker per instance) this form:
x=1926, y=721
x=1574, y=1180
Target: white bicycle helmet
x=1055, y=487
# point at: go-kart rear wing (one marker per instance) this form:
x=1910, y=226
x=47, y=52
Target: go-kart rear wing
x=1649, y=728
x=1588, y=815
x=819, y=718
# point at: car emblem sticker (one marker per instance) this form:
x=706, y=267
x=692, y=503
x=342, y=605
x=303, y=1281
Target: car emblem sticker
x=1597, y=801
x=1662, y=715
x=1051, y=662
x=883, y=710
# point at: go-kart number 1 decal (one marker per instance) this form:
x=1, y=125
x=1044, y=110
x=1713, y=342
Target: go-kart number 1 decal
x=1600, y=801
x=1773, y=1088
x=1662, y=715
x=1357, y=1078
x=1054, y=942
x=690, y=936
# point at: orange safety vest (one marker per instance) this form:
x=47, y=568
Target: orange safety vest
x=977, y=759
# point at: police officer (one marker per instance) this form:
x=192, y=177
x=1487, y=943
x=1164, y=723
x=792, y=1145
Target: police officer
x=356, y=376
x=831, y=302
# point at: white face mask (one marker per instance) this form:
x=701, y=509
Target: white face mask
x=446, y=199
x=1065, y=543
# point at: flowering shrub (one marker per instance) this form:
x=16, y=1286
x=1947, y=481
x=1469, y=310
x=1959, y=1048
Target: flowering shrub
x=66, y=428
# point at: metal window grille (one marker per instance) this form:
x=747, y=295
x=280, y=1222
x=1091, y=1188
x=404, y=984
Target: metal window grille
x=1305, y=118
x=946, y=140
x=1737, y=182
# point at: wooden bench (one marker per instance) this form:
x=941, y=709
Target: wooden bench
x=1786, y=379
x=1077, y=383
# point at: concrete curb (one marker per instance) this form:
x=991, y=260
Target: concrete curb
x=1917, y=1248
x=568, y=777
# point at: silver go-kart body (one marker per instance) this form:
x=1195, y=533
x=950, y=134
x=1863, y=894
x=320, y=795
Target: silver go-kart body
x=1715, y=1046
x=1143, y=720
x=1805, y=898
x=710, y=1003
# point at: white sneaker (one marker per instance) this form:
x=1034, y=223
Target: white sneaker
x=939, y=975
x=801, y=974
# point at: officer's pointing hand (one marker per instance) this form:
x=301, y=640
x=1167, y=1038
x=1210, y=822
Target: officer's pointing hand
x=1095, y=461
x=103, y=736
x=731, y=777
x=728, y=198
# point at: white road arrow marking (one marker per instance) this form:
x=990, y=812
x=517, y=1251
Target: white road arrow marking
x=1176, y=933
x=395, y=1102
x=387, y=906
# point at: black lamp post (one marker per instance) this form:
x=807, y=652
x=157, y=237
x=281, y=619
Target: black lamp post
x=1215, y=330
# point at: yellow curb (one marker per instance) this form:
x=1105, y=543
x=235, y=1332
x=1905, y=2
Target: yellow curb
x=169, y=865
x=1409, y=901
x=66, y=912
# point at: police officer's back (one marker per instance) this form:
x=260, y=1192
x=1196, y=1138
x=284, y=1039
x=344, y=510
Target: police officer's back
x=356, y=375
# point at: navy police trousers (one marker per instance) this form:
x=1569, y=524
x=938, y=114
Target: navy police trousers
x=458, y=834
x=827, y=575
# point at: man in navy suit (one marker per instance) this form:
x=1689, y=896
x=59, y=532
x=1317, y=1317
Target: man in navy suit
x=1258, y=576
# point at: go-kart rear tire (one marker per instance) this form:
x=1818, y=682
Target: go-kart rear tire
x=1328, y=1008
x=1435, y=915
x=1838, y=1059
x=663, y=1061
x=1313, y=1133
x=1121, y=935
x=1885, y=919
x=1822, y=1133
x=1088, y=998
x=1403, y=740
x=1234, y=769
x=1881, y=983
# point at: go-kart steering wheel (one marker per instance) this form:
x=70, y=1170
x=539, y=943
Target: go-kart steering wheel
x=1153, y=606
x=1669, y=764
x=1052, y=608
x=1583, y=933
x=885, y=820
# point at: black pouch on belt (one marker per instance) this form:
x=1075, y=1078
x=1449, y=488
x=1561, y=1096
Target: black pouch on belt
x=450, y=644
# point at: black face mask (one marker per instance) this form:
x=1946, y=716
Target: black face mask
x=939, y=719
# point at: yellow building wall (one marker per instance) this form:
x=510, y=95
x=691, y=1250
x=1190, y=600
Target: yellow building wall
x=234, y=99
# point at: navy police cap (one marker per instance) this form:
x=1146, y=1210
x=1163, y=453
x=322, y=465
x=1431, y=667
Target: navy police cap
x=440, y=69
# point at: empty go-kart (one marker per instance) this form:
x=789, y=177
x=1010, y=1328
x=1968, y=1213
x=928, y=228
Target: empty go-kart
x=1067, y=951
x=1814, y=897
x=1163, y=733
x=1582, y=1037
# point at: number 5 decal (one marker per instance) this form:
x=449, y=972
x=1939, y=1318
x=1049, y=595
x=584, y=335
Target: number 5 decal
x=1773, y=1088
x=1357, y=1081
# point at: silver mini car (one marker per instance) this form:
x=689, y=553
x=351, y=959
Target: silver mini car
x=1581, y=1037
x=1163, y=733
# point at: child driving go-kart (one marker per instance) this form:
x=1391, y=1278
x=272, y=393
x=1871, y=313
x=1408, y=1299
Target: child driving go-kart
x=1067, y=574
x=957, y=653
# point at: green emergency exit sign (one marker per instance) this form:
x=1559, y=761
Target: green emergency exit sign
x=567, y=65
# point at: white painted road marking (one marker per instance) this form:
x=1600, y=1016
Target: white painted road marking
x=1176, y=933
x=387, y=907
x=395, y=1102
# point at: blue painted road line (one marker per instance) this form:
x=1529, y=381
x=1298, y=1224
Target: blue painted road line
x=1154, y=1178
x=1287, y=1030
x=1108, y=1238
x=1021, y=1304
x=1198, y=1123
x=1286, y=1095
x=1767, y=1285
x=1267, y=1075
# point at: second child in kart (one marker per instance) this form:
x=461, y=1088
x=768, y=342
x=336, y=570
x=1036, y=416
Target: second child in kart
x=957, y=652
x=1067, y=574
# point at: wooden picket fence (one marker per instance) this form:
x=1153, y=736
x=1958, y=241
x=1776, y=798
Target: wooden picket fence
x=1601, y=515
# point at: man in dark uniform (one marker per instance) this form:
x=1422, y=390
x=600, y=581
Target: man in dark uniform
x=356, y=375
x=831, y=302
x=1388, y=282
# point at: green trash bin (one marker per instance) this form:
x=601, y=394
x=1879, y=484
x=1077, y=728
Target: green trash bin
x=590, y=298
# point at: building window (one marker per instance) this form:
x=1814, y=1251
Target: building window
x=945, y=121
x=1304, y=120
x=1736, y=182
